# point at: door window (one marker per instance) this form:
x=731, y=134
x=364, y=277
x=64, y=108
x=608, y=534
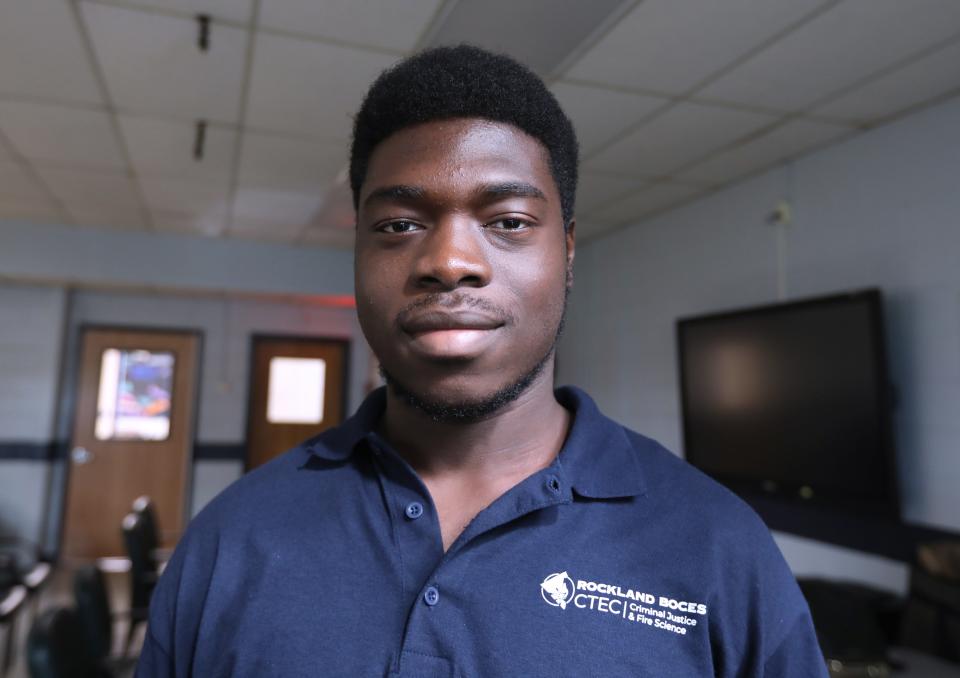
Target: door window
x=295, y=390
x=134, y=395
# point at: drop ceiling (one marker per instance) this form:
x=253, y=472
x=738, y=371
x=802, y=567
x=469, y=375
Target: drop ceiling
x=102, y=101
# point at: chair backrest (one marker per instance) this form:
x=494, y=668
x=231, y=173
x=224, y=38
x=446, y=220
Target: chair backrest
x=143, y=506
x=55, y=646
x=143, y=571
x=93, y=609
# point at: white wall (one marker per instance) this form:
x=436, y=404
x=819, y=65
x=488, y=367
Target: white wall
x=69, y=254
x=882, y=209
x=31, y=331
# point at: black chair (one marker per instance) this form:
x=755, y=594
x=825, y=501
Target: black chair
x=56, y=647
x=143, y=571
x=143, y=507
x=93, y=609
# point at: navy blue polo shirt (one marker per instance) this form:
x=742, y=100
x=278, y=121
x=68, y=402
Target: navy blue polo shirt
x=619, y=559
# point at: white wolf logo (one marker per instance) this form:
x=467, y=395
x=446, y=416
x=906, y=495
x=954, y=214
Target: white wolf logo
x=557, y=589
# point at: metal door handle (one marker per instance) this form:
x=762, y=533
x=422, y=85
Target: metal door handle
x=81, y=455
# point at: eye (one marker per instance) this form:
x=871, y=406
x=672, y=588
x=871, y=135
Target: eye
x=509, y=224
x=399, y=226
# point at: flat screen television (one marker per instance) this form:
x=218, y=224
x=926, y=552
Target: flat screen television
x=793, y=400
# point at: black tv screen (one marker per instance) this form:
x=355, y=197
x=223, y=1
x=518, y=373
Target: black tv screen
x=792, y=400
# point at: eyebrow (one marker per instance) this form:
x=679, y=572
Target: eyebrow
x=513, y=189
x=406, y=193
x=399, y=192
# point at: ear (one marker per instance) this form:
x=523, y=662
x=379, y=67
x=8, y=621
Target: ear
x=571, y=239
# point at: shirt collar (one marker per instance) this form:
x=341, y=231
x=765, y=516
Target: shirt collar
x=598, y=458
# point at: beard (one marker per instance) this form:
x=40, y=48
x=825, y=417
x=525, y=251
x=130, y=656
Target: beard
x=469, y=411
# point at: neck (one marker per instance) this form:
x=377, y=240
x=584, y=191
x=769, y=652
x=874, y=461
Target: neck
x=502, y=447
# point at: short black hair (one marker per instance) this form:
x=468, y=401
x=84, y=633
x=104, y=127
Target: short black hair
x=465, y=82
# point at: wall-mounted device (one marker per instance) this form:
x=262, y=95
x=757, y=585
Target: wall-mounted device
x=793, y=400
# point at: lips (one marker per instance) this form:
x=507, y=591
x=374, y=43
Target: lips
x=433, y=320
x=450, y=334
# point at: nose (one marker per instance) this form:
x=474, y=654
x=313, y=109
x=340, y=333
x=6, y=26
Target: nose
x=453, y=255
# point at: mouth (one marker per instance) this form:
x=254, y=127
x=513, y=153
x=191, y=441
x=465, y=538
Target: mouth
x=450, y=334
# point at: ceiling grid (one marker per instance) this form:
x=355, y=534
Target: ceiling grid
x=100, y=99
x=84, y=33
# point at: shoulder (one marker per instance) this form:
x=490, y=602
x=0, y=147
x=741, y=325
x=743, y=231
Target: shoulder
x=727, y=543
x=219, y=539
x=755, y=601
x=672, y=480
x=256, y=491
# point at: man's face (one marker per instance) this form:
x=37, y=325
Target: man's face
x=462, y=263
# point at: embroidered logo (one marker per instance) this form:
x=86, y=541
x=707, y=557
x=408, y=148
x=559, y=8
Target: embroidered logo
x=557, y=589
x=676, y=615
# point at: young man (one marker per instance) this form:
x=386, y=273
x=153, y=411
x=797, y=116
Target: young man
x=470, y=520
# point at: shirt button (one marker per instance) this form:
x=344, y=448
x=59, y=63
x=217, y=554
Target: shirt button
x=414, y=510
x=431, y=596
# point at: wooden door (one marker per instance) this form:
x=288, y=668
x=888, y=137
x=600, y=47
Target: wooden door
x=297, y=389
x=132, y=436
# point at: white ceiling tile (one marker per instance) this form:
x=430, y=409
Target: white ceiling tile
x=595, y=191
x=383, y=24
x=684, y=133
x=91, y=190
x=191, y=197
x=106, y=217
x=152, y=63
x=66, y=136
x=600, y=114
x=276, y=205
x=42, y=54
x=671, y=46
x=541, y=34
x=645, y=202
x=165, y=148
x=231, y=10
x=293, y=164
x=44, y=212
x=18, y=186
x=849, y=42
x=782, y=143
x=913, y=84
x=309, y=88
x=191, y=224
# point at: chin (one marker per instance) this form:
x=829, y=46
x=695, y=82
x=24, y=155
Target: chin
x=464, y=398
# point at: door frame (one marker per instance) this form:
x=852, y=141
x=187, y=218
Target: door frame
x=73, y=383
x=251, y=367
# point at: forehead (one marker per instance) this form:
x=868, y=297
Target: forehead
x=458, y=151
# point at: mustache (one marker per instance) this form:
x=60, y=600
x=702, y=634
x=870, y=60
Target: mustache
x=452, y=300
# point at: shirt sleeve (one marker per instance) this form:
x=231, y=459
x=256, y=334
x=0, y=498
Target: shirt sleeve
x=154, y=662
x=763, y=627
x=156, y=657
x=177, y=604
x=798, y=654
